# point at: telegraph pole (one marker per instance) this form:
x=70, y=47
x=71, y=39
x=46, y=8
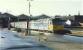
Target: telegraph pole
x=28, y=20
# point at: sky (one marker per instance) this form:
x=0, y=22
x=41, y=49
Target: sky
x=38, y=7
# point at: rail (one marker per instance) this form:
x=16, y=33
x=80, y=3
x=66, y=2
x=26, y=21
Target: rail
x=74, y=27
x=42, y=30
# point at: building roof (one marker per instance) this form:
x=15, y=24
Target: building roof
x=43, y=16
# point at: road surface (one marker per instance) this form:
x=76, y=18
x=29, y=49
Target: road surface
x=64, y=42
x=56, y=42
x=9, y=41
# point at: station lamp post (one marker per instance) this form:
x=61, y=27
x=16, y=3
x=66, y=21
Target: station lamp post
x=29, y=7
x=28, y=20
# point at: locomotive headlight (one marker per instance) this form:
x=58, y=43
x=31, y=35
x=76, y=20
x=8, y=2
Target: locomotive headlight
x=68, y=22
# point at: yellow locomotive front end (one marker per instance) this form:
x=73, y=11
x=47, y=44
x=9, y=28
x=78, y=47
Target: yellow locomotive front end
x=57, y=26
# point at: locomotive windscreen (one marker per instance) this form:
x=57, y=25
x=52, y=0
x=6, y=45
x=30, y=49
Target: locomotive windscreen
x=57, y=21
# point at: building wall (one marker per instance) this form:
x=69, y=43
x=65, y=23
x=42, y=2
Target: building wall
x=3, y=23
x=79, y=18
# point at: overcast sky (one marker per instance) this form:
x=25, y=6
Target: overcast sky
x=48, y=7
